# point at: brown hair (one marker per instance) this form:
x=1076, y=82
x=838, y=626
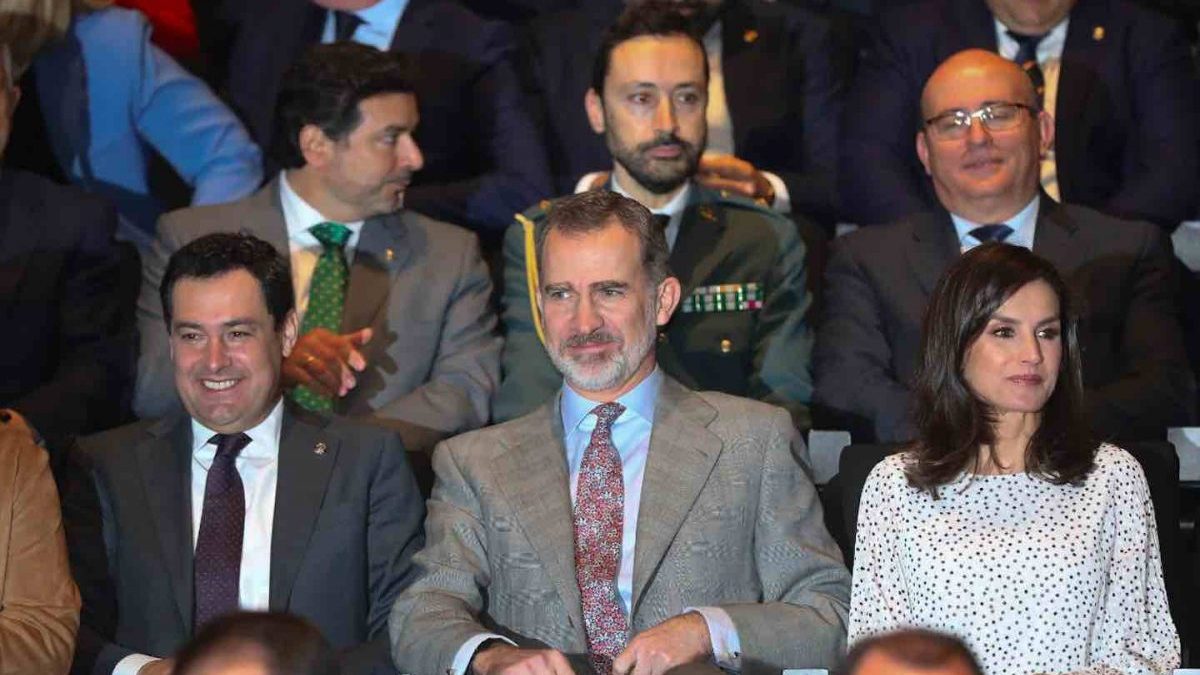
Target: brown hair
x=952, y=423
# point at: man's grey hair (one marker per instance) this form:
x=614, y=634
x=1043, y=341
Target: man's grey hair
x=594, y=210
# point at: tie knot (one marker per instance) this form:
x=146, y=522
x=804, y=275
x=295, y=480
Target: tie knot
x=344, y=25
x=331, y=235
x=994, y=232
x=229, y=445
x=661, y=220
x=1026, y=45
x=607, y=413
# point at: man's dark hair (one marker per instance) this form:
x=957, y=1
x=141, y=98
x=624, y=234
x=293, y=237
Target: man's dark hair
x=283, y=643
x=324, y=87
x=593, y=210
x=215, y=254
x=952, y=422
x=915, y=648
x=655, y=17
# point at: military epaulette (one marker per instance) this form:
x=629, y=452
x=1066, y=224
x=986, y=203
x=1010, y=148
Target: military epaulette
x=535, y=213
x=730, y=200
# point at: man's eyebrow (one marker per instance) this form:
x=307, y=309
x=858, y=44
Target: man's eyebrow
x=608, y=284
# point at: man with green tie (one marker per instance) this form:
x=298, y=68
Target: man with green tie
x=395, y=323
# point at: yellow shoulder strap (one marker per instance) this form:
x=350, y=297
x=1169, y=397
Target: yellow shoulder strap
x=531, y=273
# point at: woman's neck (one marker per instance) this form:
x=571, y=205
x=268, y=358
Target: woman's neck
x=1012, y=433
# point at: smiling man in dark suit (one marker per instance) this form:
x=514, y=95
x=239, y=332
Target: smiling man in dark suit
x=243, y=502
x=1117, y=77
x=982, y=142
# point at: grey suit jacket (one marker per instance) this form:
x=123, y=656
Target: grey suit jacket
x=728, y=518
x=420, y=285
x=347, y=522
x=879, y=281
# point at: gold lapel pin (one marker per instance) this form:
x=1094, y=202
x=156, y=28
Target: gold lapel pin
x=320, y=448
x=1098, y=33
x=391, y=255
x=750, y=36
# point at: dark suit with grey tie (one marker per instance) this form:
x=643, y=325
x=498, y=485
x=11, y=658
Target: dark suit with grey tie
x=347, y=522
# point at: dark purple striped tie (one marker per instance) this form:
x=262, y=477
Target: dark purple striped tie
x=218, y=559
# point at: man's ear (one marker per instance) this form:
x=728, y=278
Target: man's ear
x=315, y=146
x=595, y=110
x=1046, y=128
x=923, y=151
x=668, y=299
x=290, y=332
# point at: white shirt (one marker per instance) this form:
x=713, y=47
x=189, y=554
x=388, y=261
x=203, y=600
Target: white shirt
x=303, y=247
x=1049, y=56
x=1034, y=577
x=258, y=466
x=672, y=209
x=720, y=124
x=378, y=25
x=1023, y=224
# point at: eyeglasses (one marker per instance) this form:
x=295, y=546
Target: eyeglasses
x=955, y=124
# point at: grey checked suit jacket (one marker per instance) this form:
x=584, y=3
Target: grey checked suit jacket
x=728, y=518
x=421, y=286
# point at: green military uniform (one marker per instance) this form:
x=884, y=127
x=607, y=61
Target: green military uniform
x=740, y=328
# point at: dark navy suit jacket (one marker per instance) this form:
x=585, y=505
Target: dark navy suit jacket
x=1126, y=118
x=784, y=83
x=483, y=158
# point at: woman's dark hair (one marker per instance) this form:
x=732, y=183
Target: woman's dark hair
x=324, y=87
x=952, y=422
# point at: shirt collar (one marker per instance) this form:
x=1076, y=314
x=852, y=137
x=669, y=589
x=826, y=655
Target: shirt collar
x=1050, y=47
x=1022, y=224
x=264, y=438
x=299, y=215
x=640, y=401
x=673, y=209
x=383, y=15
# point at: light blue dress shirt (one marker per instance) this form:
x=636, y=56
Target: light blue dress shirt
x=378, y=26
x=631, y=437
x=1023, y=223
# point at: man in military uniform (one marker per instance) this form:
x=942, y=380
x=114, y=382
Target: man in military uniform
x=741, y=327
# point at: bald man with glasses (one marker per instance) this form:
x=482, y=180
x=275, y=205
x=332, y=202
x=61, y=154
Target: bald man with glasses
x=981, y=143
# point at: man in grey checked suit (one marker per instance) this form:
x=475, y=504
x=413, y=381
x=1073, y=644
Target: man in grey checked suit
x=416, y=346
x=628, y=522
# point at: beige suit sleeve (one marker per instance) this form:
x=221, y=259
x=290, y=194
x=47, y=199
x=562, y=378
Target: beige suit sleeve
x=154, y=394
x=805, y=586
x=39, y=604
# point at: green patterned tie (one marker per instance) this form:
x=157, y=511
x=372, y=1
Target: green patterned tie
x=326, y=295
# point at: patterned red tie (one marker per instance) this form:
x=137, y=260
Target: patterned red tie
x=599, y=519
x=218, y=560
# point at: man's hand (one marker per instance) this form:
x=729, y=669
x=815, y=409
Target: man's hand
x=325, y=362
x=598, y=180
x=674, y=642
x=499, y=658
x=160, y=667
x=726, y=172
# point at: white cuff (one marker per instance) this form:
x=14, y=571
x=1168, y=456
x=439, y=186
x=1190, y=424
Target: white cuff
x=585, y=183
x=462, y=658
x=783, y=199
x=131, y=664
x=726, y=645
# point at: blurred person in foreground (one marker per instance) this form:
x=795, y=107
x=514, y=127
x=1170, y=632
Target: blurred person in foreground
x=39, y=605
x=1004, y=522
x=910, y=651
x=258, y=643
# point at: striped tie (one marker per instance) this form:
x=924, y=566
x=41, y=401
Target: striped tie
x=1027, y=58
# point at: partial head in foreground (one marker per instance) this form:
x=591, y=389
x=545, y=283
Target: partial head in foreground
x=911, y=651
x=257, y=643
x=999, y=350
x=604, y=290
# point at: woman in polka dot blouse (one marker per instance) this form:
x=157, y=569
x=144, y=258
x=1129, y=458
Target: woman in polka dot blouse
x=1004, y=523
